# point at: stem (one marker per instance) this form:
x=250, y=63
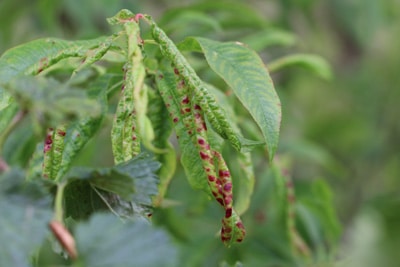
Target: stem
x=14, y=123
x=58, y=203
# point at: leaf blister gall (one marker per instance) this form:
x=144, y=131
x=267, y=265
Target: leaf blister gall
x=188, y=84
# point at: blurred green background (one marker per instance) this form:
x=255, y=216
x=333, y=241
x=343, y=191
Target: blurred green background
x=340, y=135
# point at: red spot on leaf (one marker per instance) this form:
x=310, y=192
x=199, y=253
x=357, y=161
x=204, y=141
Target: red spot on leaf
x=197, y=107
x=203, y=155
x=138, y=16
x=228, y=230
x=228, y=187
x=61, y=133
x=220, y=201
x=49, y=140
x=201, y=141
x=228, y=200
x=240, y=225
x=224, y=173
x=211, y=178
x=228, y=213
x=176, y=71
x=185, y=100
x=175, y=119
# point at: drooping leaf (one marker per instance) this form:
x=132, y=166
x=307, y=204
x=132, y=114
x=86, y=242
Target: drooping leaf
x=106, y=241
x=314, y=63
x=242, y=168
x=190, y=159
x=245, y=73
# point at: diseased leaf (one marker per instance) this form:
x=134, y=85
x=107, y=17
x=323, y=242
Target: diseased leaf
x=190, y=159
x=245, y=73
x=106, y=241
x=243, y=172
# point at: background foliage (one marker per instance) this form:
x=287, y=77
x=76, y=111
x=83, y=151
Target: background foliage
x=339, y=138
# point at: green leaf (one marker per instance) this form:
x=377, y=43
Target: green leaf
x=314, y=63
x=269, y=37
x=33, y=57
x=318, y=214
x=23, y=220
x=239, y=15
x=25, y=227
x=49, y=101
x=184, y=20
x=106, y=241
x=7, y=114
x=245, y=73
x=5, y=99
x=89, y=189
x=134, y=176
x=158, y=115
x=20, y=144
